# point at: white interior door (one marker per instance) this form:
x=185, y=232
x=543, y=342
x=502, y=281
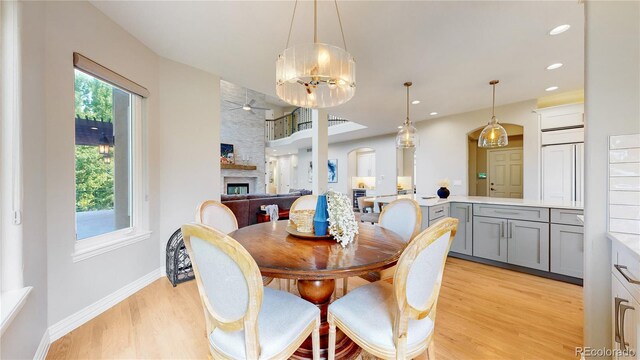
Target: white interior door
x=558, y=172
x=284, y=176
x=505, y=173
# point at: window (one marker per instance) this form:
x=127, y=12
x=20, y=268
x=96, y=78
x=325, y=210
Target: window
x=111, y=206
x=103, y=157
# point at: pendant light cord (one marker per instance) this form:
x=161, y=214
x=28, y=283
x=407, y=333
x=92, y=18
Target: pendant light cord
x=493, y=104
x=407, y=121
x=293, y=16
x=344, y=42
x=315, y=23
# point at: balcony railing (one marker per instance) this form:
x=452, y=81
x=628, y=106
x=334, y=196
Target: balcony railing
x=298, y=120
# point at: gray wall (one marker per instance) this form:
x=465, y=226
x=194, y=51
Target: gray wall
x=612, y=107
x=244, y=130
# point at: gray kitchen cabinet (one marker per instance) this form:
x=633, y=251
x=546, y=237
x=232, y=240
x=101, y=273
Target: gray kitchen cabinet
x=463, y=241
x=528, y=244
x=567, y=249
x=489, y=238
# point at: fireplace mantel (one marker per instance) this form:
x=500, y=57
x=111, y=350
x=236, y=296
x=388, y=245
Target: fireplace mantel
x=238, y=167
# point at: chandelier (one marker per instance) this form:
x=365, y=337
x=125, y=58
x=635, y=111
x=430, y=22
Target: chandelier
x=493, y=135
x=406, y=137
x=315, y=75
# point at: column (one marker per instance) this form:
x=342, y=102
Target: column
x=320, y=150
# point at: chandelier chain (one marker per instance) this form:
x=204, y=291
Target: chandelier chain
x=315, y=21
x=344, y=42
x=293, y=16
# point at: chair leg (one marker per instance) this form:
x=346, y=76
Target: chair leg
x=345, y=285
x=315, y=340
x=431, y=352
x=332, y=337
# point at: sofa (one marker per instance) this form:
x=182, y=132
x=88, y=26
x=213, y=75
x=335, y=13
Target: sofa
x=247, y=207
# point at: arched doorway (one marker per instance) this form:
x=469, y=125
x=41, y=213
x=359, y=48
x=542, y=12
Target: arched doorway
x=496, y=172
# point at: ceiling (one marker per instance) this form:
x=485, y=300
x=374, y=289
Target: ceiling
x=450, y=50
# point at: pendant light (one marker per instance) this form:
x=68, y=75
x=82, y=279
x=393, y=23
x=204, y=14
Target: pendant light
x=315, y=75
x=406, y=138
x=493, y=135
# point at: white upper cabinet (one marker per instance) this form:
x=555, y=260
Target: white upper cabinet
x=366, y=164
x=561, y=117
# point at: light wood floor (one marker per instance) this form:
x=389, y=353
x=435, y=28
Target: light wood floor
x=483, y=313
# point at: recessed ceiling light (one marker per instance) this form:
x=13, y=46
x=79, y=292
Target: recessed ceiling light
x=554, y=66
x=400, y=127
x=433, y=113
x=551, y=88
x=559, y=29
x=415, y=102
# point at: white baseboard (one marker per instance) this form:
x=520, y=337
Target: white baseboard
x=68, y=324
x=43, y=347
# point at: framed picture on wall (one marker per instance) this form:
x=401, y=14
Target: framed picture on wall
x=226, y=154
x=332, y=171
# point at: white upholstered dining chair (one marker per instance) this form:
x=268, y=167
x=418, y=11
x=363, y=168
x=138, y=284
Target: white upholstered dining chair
x=218, y=216
x=245, y=320
x=396, y=321
x=304, y=202
x=403, y=217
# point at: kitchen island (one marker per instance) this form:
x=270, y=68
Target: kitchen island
x=543, y=238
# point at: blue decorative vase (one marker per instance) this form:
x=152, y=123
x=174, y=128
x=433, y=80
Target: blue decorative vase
x=443, y=193
x=321, y=217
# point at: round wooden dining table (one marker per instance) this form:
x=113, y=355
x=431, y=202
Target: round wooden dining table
x=316, y=264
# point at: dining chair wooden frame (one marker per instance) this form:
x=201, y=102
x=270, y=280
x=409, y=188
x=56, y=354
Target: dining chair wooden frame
x=404, y=310
x=249, y=321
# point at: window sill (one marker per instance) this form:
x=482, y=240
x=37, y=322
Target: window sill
x=85, y=249
x=11, y=303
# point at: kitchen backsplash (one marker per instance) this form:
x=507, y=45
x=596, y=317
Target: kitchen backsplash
x=624, y=184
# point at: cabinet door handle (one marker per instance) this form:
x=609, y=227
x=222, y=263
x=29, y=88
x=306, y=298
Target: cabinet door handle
x=440, y=211
x=623, y=269
x=506, y=212
x=623, y=310
x=467, y=212
x=617, y=317
x=510, y=230
x=501, y=229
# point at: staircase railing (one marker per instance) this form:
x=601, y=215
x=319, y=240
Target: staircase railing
x=298, y=120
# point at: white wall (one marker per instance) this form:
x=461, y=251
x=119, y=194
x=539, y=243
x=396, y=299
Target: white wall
x=612, y=107
x=443, y=152
x=188, y=138
x=80, y=27
x=182, y=115
x=23, y=335
x=385, y=149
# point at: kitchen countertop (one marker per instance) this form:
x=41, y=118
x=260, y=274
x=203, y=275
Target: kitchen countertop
x=572, y=205
x=629, y=241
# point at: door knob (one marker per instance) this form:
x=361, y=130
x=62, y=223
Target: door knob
x=492, y=189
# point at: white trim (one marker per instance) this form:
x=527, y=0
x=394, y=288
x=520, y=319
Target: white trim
x=70, y=323
x=43, y=347
x=86, y=251
x=11, y=303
